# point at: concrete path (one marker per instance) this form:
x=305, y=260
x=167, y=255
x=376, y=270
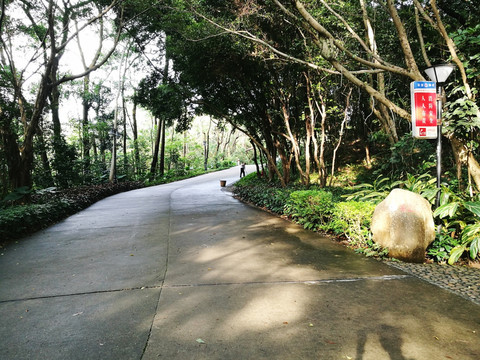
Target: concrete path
x=184, y=271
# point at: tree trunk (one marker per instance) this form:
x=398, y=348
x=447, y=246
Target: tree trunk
x=24, y=176
x=184, y=150
x=347, y=105
x=463, y=155
x=285, y=159
x=206, y=145
x=382, y=113
x=47, y=171
x=226, y=148
x=94, y=147
x=86, y=126
x=121, y=81
x=295, y=146
x=124, y=114
x=368, y=160
x=310, y=126
x=322, y=169
x=113, y=163
x=153, y=166
x=162, y=148
x=135, y=137
x=13, y=158
x=255, y=159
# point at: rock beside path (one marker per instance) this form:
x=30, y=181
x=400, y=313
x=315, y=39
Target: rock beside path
x=403, y=223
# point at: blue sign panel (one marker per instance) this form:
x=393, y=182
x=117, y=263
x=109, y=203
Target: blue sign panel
x=424, y=85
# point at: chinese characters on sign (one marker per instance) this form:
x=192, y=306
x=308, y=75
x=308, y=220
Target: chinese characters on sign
x=424, y=109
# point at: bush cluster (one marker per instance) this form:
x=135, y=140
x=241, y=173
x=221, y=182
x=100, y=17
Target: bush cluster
x=49, y=207
x=262, y=195
x=311, y=208
x=324, y=210
x=315, y=209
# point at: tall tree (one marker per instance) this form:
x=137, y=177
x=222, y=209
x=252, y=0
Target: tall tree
x=335, y=37
x=47, y=20
x=164, y=99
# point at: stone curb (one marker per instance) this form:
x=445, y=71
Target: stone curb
x=461, y=280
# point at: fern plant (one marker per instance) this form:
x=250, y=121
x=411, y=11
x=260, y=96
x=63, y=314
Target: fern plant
x=465, y=216
x=375, y=192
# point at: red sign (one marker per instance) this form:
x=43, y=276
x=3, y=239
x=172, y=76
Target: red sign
x=424, y=109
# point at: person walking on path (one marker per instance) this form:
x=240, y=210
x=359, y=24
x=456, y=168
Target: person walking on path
x=242, y=170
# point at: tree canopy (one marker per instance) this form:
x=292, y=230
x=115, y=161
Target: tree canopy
x=300, y=79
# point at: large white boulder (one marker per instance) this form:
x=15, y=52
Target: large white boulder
x=403, y=223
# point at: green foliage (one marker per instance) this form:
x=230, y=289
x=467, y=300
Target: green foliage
x=371, y=249
x=19, y=220
x=65, y=166
x=249, y=180
x=352, y=219
x=424, y=185
x=468, y=40
x=375, y=192
x=408, y=156
x=51, y=206
x=261, y=194
x=311, y=208
x=447, y=210
x=164, y=100
x=473, y=207
x=461, y=217
x=444, y=243
x=419, y=184
x=17, y=194
x=462, y=115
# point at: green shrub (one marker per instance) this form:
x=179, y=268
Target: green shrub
x=443, y=245
x=52, y=206
x=261, y=194
x=311, y=208
x=250, y=180
x=19, y=220
x=463, y=216
x=275, y=199
x=352, y=219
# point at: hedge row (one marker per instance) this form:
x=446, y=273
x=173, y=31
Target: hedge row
x=315, y=209
x=50, y=207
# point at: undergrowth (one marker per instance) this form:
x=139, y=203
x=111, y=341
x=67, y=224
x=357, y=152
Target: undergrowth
x=24, y=211
x=315, y=209
x=49, y=206
x=326, y=210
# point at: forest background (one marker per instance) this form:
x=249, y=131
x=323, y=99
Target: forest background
x=316, y=93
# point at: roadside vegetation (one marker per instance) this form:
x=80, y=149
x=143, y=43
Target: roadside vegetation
x=316, y=94
x=24, y=211
x=345, y=211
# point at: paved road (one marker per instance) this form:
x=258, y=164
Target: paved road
x=184, y=271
